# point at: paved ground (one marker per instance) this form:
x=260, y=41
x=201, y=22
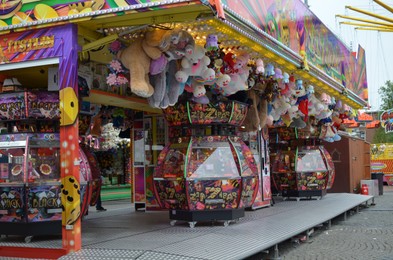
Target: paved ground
x=366, y=235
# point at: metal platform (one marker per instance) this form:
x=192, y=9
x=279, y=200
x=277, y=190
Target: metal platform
x=123, y=233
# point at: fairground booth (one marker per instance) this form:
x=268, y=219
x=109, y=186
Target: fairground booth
x=204, y=108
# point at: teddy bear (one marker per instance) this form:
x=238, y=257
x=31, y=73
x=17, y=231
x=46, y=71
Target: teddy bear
x=195, y=71
x=137, y=58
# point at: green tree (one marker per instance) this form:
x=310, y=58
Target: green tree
x=386, y=96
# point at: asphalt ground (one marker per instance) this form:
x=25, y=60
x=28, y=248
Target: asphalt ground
x=361, y=235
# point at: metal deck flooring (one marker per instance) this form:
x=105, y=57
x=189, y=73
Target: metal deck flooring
x=122, y=233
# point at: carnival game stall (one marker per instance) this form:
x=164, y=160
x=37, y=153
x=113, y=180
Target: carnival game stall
x=214, y=68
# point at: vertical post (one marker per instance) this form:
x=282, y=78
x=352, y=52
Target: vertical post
x=69, y=137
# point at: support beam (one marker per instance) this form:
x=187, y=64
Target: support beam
x=387, y=7
x=370, y=14
x=373, y=29
x=363, y=20
x=368, y=25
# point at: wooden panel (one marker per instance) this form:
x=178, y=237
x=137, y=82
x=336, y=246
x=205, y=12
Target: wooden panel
x=110, y=99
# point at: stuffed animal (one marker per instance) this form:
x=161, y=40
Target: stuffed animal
x=239, y=75
x=325, y=113
x=257, y=114
x=137, y=57
x=211, y=42
x=278, y=74
x=195, y=67
x=180, y=42
x=260, y=67
x=304, y=64
x=315, y=106
x=269, y=70
x=228, y=63
x=302, y=98
x=280, y=106
x=167, y=88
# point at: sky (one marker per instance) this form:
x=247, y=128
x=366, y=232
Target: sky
x=378, y=45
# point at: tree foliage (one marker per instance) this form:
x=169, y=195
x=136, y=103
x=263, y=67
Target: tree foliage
x=381, y=137
x=386, y=96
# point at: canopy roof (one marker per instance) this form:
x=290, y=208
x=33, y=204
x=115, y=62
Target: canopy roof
x=101, y=22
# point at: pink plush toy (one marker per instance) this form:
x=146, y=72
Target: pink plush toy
x=260, y=66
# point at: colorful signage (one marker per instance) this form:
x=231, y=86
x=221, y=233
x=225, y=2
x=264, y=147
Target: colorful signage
x=295, y=26
x=387, y=120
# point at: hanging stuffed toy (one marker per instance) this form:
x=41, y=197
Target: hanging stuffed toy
x=269, y=70
x=302, y=98
x=137, y=58
x=195, y=72
x=239, y=74
x=315, y=106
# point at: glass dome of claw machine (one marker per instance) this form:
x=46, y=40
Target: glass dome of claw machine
x=305, y=173
x=206, y=167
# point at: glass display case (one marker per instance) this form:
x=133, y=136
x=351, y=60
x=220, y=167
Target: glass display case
x=30, y=192
x=206, y=172
x=307, y=171
x=30, y=181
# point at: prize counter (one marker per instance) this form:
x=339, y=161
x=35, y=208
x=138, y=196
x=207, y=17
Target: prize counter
x=206, y=172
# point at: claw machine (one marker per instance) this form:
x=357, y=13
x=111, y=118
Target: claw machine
x=301, y=168
x=206, y=172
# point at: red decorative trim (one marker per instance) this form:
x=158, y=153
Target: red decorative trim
x=32, y=252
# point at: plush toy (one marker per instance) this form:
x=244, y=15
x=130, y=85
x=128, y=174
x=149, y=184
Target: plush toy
x=260, y=67
x=302, y=98
x=315, y=106
x=326, y=113
x=221, y=82
x=280, y=106
x=329, y=133
x=180, y=42
x=257, y=113
x=195, y=67
x=239, y=75
x=269, y=70
x=304, y=64
x=211, y=42
x=284, y=88
x=278, y=74
x=167, y=88
x=228, y=63
x=137, y=57
x=285, y=78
